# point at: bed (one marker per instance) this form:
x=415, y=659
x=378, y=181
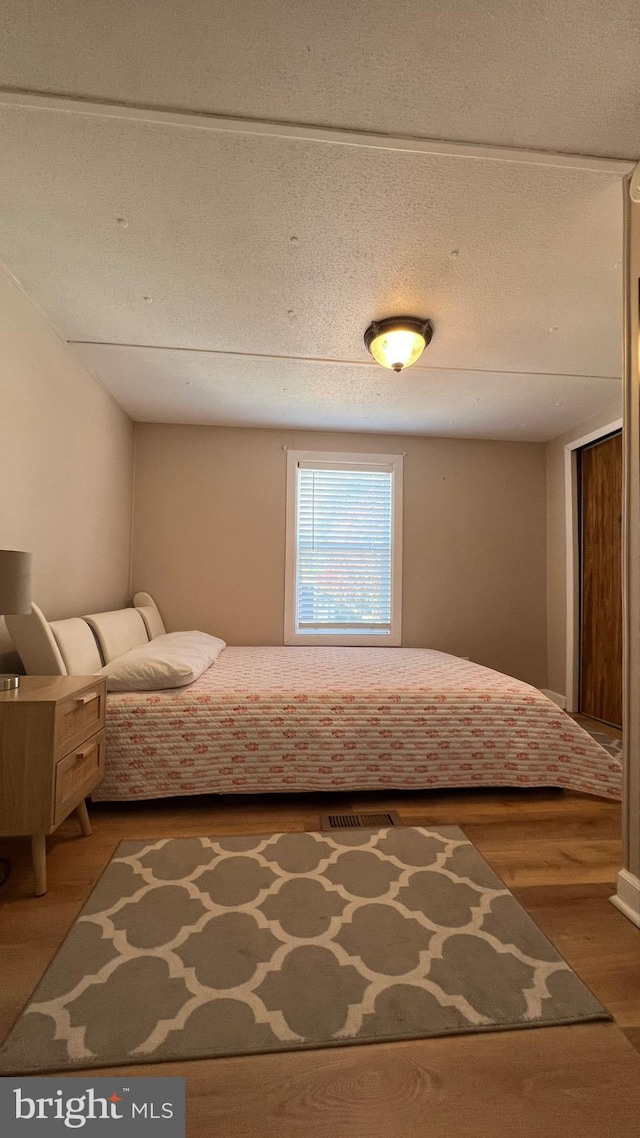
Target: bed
x=274, y=719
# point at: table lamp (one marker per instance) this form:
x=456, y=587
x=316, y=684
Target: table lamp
x=15, y=595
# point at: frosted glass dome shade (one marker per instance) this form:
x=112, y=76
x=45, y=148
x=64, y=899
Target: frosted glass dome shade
x=397, y=342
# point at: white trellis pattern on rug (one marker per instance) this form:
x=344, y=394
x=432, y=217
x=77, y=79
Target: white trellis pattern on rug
x=210, y=946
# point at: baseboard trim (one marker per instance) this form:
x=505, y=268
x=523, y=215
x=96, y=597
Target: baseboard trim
x=556, y=697
x=627, y=899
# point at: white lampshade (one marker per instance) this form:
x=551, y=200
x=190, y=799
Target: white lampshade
x=15, y=582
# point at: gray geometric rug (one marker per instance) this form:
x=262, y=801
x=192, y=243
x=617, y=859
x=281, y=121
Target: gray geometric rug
x=198, y=947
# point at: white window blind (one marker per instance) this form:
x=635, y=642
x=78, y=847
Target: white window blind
x=344, y=548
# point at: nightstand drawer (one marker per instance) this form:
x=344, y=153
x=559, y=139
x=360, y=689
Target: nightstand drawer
x=76, y=775
x=80, y=717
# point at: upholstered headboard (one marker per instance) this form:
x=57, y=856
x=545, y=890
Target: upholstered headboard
x=118, y=632
x=77, y=646
x=36, y=644
x=80, y=646
x=150, y=614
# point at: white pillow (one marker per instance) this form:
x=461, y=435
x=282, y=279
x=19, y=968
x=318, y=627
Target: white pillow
x=168, y=661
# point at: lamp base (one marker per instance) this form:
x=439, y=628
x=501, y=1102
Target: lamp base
x=9, y=681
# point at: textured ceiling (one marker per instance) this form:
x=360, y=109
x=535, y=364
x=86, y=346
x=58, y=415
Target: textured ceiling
x=228, y=278
x=548, y=74
x=194, y=387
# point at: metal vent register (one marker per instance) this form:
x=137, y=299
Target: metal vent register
x=359, y=821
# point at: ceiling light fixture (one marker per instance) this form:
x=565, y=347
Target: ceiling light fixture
x=398, y=341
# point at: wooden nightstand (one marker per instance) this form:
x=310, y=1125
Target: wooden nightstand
x=52, y=731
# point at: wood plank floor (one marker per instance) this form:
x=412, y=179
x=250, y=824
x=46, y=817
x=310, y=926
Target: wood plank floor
x=558, y=852
x=597, y=725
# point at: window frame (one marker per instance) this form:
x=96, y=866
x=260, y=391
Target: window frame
x=393, y=639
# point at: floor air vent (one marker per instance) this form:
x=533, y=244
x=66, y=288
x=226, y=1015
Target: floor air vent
x=359, y=821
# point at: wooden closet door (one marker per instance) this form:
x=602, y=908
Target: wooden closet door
x=600, y=468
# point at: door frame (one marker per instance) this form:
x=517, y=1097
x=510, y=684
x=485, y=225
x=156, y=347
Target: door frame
x=572, y=673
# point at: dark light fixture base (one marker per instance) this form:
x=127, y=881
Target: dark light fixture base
x=390, y=323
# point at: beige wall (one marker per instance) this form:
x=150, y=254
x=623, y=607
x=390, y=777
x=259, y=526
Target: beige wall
x=556, y=547
x=209, y=537
x=66, y=455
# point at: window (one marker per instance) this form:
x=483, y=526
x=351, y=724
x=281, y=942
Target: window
x=344, y=548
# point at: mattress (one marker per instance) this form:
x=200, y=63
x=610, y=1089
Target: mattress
x=308, y=719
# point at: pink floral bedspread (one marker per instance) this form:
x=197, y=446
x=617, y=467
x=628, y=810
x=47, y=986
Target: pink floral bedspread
x=305, y=719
